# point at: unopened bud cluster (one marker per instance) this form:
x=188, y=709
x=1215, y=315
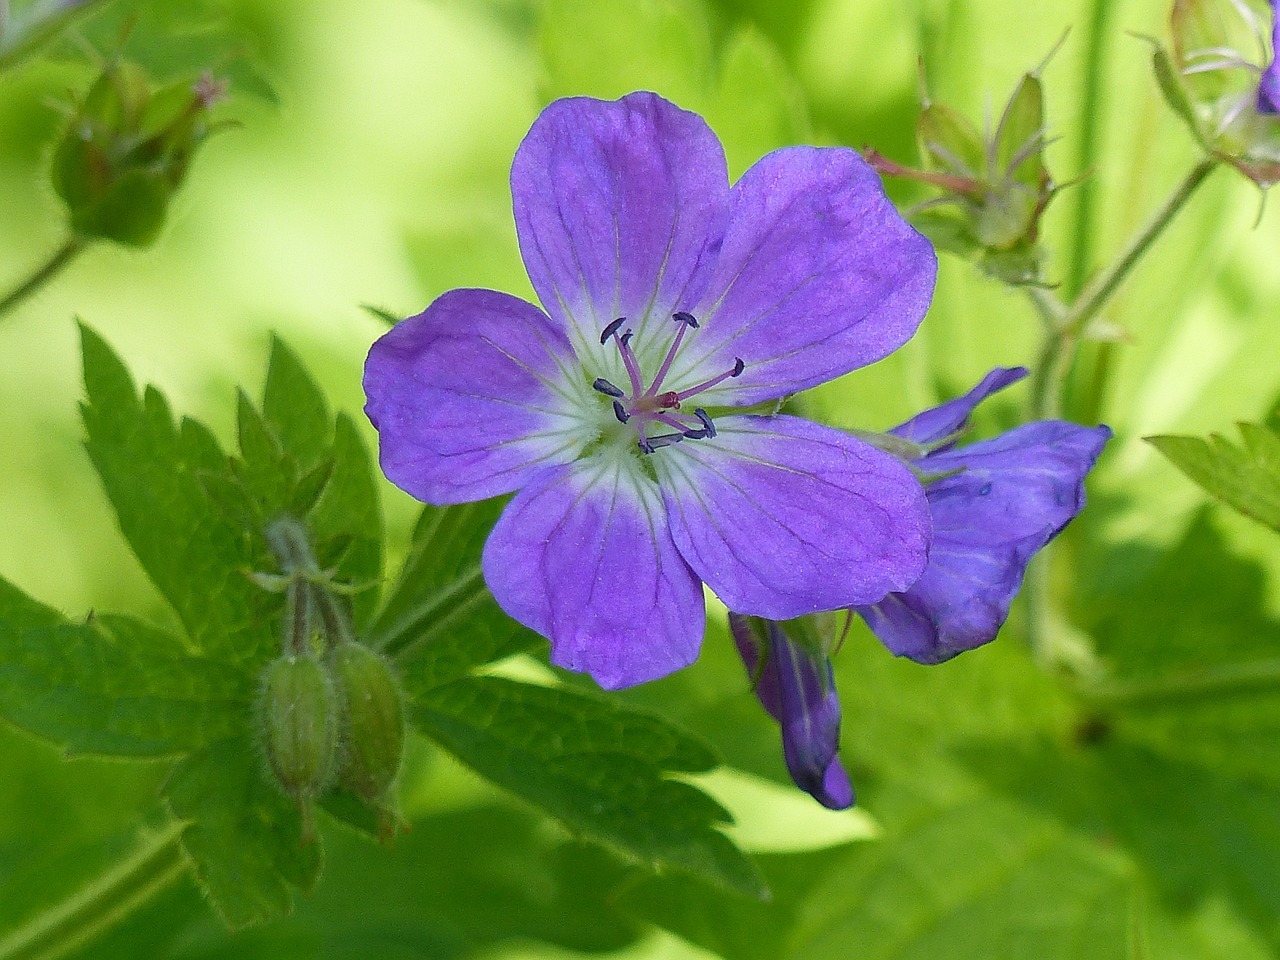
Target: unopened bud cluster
x=1220, y=77
x=330, y=710
x=994, y=187
x=127, y=149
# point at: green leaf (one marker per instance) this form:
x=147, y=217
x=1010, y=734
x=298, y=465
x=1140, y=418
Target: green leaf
x=244, y=836
x=1244, y=477
x=194, y=553
x=978, y=880
x=348, y=516
x=295, y=408
x=440, y=621
x=111, y=685
x=601, y=769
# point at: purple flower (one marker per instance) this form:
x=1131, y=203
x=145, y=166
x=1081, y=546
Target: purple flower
x=1269, y=85
x=797, y=687
x=1007, y=498
x=620, y=411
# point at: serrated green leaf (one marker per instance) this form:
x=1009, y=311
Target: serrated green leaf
x=348, y=514
x=296, y=408
x=601, y=769
x=440, y=621
x=152, y=473
x=243, y=836
x=1246, y=478
x=267, y=472
x=111, y=685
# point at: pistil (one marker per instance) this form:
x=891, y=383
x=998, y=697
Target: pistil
x=644, y=406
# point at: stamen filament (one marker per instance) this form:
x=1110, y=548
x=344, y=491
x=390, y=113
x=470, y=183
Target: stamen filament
x=630, y=362
x=685, y=324
x=738, y=367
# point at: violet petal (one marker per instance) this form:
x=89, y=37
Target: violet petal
x=948, y=418
x=1015, y=493
x=470, y=398
x=783, y=517
x=582, y=556
x=817, y=275
x=616, y=203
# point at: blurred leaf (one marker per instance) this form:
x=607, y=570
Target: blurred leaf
x=194, y=554
x=979, y=880
x=111, y=685
x=1246, y=477
x=607, y=48
x=244, y=836
x=757, y=105
x=1194, y=658
x=600, y=768
x=439, y=620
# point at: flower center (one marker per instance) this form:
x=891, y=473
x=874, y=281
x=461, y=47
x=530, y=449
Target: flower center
x=644, y=406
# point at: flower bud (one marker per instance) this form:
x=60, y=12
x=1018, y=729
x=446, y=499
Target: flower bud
x=373, y=721
x=994, y=189
x=127, y=150
x=299, y=717
x=1220, y=78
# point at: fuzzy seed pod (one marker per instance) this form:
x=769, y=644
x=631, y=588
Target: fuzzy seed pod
x=373, y=721
x=299, y=716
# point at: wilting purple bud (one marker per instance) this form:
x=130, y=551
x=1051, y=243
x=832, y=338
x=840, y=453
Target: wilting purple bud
x=994, y=504
x=798, y=689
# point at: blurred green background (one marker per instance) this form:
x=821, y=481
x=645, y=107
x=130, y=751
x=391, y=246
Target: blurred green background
x=378, y=176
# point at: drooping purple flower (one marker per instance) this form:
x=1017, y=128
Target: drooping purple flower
x=1269, y=85
x=1007, y=498
x=670, y=302
x=797, y=687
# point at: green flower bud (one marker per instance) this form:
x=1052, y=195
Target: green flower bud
x=373, y=721
x=299, y=713
x=127, y=150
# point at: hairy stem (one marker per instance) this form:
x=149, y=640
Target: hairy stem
x=152, y=867
x=44, y=273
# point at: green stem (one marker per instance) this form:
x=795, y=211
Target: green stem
x=155, y=865
x=1058, y=347
x=1212, y=681
x=43, y=274
x=1092, y=117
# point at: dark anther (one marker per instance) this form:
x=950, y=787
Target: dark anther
x=695, y=434
x=650, y=444
x=620, y=412
x=708, y=428
x=607, y=388
x=611, y=329
x=626, y=338
x=687, y=319
x=738, y=367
